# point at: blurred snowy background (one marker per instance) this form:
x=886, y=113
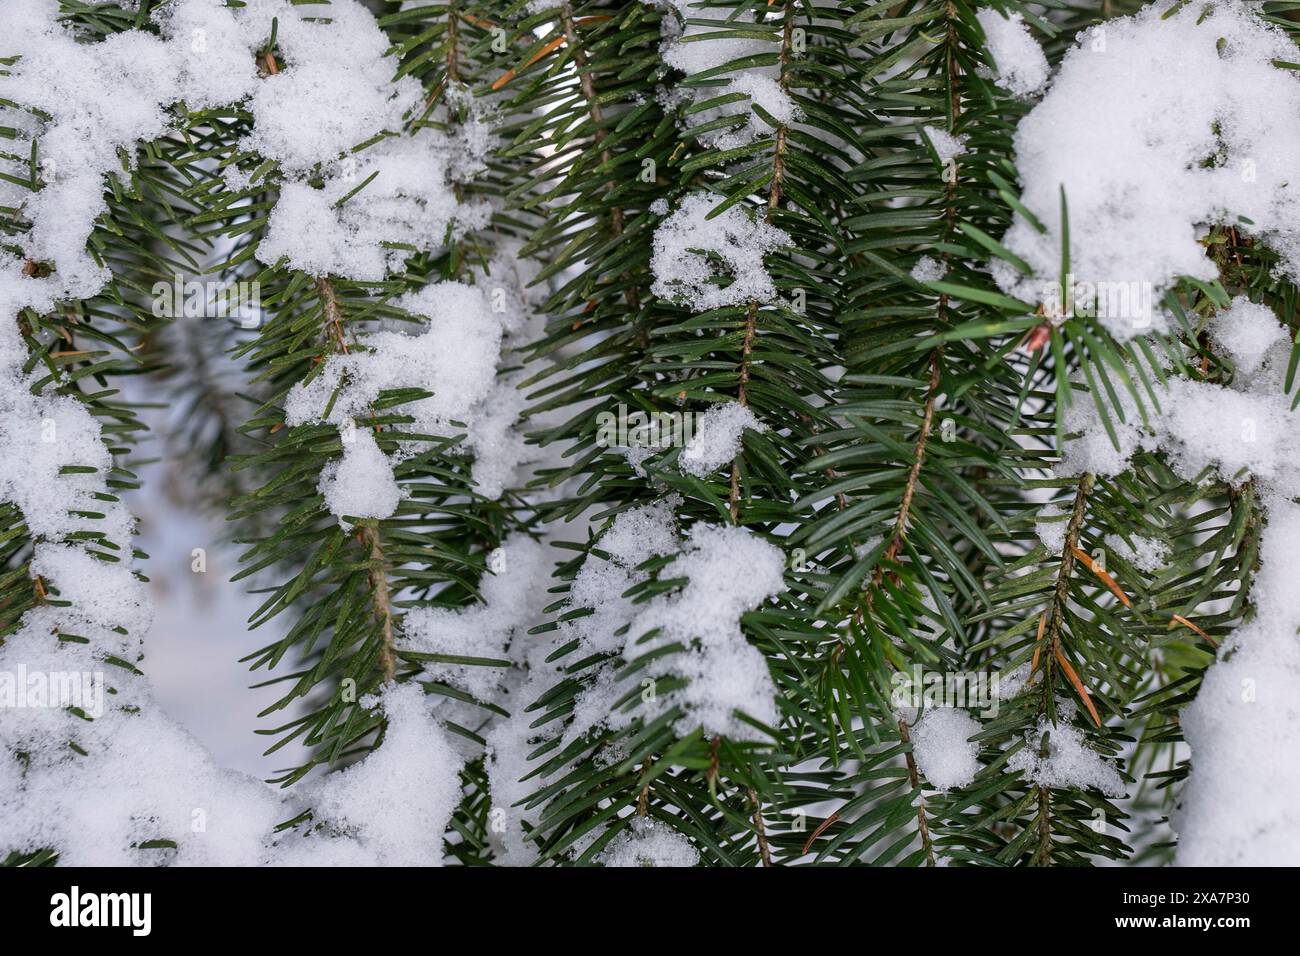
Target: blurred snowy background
x=200, y=630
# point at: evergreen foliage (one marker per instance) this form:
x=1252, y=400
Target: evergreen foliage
x=910, y=429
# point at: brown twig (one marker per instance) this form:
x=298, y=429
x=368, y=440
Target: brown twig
x=380, y=600
x=821, y=828
x=1038, y=641
x=1086, y=560
x=550, y=47
x=1078, y=685
x=914, y=778
x=1179, y=619
x=329, y=301
x=773, y=203
x=368, y=534
x=764, y=851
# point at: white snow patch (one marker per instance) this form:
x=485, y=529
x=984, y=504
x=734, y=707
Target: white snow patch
x=717, y=438
x=1145, y=554
x=945, y=144
x=1020, y=64
x=687, y=243
x=928, y=269
x=649, y=843
x=1069, y=762
x=944, y=752
x=1167, y=126
x=1051, y=527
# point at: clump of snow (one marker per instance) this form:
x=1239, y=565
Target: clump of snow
x=765, y=92
x=1239, y=434
x=409, y=201
x=700, y=47
x=1018, y=59
x=1249, y=333
x=496, y=432
x=484, y=630
x=1069, y=762
x=945, y=144
x=1089, y=448
x=91, y=583
x=510, y=742
x=499, y=446
x=455, y=357
x=100, y=98
x=695, y=255
x=730, y=571
x=636, y=459
x=649, y=843
x=944, y=752
x=928, y=269
x=216, y=47
x=1051, y=526
x=1145, y=554
x=42, y=436
x=1199, y=128
x=717, y=438
x=1246, y=430
x=761, y=91
x=512, y=600
x=1244, y=729
x=335, y=91
x=700, y=55
x=398, y=801
x=642, y=533
x=635, y=536
x=1012, y=682
x=361, y=483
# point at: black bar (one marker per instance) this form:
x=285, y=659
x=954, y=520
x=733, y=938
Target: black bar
x=337, y=906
